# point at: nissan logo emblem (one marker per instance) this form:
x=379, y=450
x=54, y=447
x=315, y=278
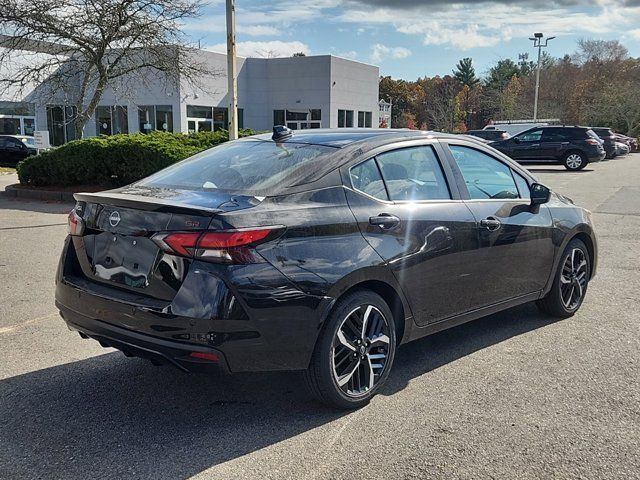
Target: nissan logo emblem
x=114, y=218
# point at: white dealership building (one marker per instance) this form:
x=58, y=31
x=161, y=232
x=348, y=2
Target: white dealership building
x=301, y=92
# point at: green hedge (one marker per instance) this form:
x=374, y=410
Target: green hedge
x=111, y=161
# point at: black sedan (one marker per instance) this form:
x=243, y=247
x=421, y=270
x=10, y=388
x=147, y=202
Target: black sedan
x=320, y=251
x=14, y=148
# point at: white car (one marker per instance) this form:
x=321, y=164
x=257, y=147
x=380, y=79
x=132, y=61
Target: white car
x=622, y=148
x=514, y=128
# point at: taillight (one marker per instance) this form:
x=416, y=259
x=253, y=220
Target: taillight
x=75, y=224
x=228, y=246
x=592, y=141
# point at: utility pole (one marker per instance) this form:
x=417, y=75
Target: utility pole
x=537, y=43
x=231, y=70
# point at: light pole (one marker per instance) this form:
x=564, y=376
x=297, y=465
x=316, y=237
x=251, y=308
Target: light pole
x=231, y=70
x=537, y=43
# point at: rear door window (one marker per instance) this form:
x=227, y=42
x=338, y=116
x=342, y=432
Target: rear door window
x=413, y=174
x=556, y=135
x=366, y=178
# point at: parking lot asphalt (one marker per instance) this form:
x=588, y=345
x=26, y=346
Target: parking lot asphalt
x=513, y=395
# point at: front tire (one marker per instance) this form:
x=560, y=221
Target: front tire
x=354, y=353
x=574, y=161
x=570, y=282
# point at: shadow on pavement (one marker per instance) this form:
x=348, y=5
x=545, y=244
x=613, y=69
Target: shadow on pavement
x=24, y=205
x=112, y=417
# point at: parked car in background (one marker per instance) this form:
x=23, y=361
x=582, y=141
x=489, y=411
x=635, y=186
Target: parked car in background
x=320, y=251
x=609, y=138
x=622, y=148
x=14, y=148
x=630, y=141
x=491, y=135
x=514, y=128
x=573, y=147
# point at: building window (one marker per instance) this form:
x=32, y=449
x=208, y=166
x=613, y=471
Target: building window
x=17, y=118
x=278, y=117
x=111, y=120
x=345, y=118
x=210, y=119
x=155, y=117
x=61, y=122
x=364, y=119
x=298, y=119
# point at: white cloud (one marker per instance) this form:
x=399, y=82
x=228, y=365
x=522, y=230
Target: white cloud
x=218, y=24
x=258, y=30
x=351, y=54
x=268, y=49
x=465, y=26
x=379, y=52
x=635, y=33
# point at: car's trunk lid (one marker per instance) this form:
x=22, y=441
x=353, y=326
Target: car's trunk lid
x=116, y=246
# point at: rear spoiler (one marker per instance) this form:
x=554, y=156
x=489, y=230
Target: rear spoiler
x=142, y=202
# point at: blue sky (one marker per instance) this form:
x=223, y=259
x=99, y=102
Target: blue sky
x=412, y=38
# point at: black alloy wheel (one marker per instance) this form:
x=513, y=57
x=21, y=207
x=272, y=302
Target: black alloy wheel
x=570, y=283
x=355, y=351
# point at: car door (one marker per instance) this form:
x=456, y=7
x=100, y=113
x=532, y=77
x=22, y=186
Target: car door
x=515, y=239
x=554, y=142
x=409, y=210
x=527, y=145
x=14, y=150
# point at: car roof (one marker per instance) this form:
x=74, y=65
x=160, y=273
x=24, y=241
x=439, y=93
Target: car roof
x=343, y=137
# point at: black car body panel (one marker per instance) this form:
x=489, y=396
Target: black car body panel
x=437, y=266
x=609, y=138
x=14, y=150
x=551, y=144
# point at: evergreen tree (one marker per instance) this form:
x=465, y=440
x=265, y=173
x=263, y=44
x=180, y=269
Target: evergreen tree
x=465, y=73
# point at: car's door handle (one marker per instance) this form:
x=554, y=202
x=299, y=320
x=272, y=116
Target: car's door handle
x=385, y=221
x=491, y=223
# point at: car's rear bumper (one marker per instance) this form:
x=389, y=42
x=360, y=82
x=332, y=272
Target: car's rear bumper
x=251, y=316
x=188, y=358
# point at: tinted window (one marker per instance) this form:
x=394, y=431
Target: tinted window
x=556, y=135
x=413, y=174
x=523, y=185
x=484, y=176
x=366, y=178
x=532, y=136
x=245, y=166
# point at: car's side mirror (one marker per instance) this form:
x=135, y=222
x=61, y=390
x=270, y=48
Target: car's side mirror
x=539, y=194
x=516, y=140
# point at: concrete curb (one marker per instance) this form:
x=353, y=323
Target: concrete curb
x=16, y=191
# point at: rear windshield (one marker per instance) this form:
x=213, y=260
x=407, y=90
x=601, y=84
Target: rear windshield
x=251, y=166
x=593, y=135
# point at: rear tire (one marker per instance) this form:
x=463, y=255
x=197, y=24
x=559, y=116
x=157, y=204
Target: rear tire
x=348, y=367
x=574, y=161
x=570, y=283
